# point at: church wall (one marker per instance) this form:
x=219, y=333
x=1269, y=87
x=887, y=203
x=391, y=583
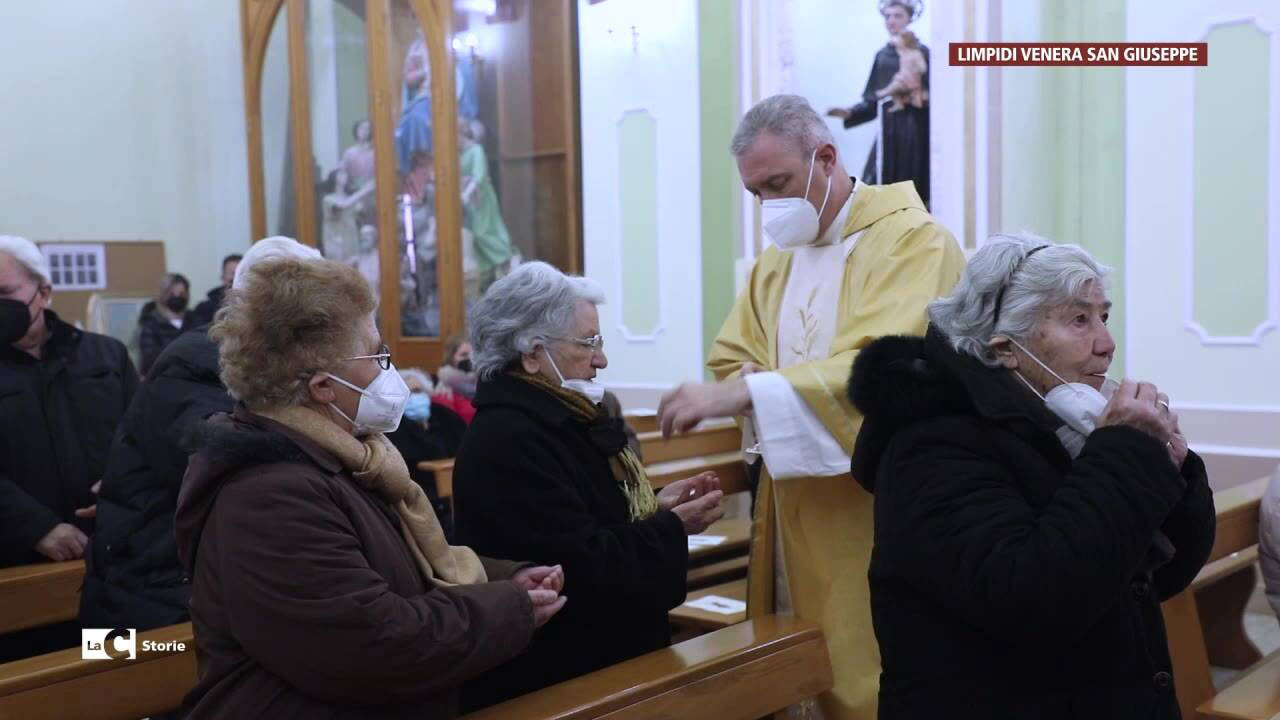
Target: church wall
x=1202, y=225
x=125, y=121
x=641, y=182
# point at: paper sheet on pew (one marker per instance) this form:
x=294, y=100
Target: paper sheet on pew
x=701, y=541
x=718, y=604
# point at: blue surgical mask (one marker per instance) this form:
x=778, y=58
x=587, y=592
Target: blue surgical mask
x=419, y=407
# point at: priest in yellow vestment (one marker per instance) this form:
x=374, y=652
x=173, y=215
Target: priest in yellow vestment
x=848, y=263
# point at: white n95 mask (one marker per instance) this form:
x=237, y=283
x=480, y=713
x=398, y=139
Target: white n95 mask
x=381, y=404
x=793, y=222
x=593, y=391
x=1077, y=405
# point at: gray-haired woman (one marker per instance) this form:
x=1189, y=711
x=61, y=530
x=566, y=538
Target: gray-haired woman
x=544, y=470
x=1030, y=514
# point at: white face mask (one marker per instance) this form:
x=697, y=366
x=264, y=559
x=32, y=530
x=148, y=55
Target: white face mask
x=792, y=222
x=381, y=404
x=1076, y=404
x=592, y=391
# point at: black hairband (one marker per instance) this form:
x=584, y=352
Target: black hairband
x=1005, y=285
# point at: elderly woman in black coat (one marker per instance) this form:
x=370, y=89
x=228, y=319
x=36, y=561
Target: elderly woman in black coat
x=545, y=472
x=1030, y=514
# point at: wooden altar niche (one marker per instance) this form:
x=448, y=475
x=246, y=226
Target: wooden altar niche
x=521, y=108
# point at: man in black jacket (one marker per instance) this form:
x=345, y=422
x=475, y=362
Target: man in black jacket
x=134, y=578
x=204, y=312
x=62, y=392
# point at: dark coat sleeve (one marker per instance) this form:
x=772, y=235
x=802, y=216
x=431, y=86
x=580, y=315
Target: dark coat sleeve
x=150, y=343
x=928, y=67
x=128, y=376
x=1191, y=528
x=24, y=520
x=496, y=569
x=882, y=70
x=967, y=538
x=521, y=498
x=303, y=600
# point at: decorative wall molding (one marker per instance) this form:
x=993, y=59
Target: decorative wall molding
x=1271, y=320
x=632, y=181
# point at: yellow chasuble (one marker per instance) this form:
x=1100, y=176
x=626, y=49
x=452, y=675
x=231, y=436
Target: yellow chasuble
x=823, y=525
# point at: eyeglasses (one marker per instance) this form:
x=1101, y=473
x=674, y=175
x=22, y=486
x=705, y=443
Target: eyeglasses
x=595, y=342
x=383, y=358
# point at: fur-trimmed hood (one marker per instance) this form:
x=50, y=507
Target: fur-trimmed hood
x=222, y=446
x=898, y=381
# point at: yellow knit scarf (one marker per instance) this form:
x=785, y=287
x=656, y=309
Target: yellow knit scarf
x=627, y=469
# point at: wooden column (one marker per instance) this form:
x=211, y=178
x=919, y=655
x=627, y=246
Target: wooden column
x=304, y=183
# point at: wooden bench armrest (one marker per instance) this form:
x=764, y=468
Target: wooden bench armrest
x=436, y=465
x=443, y=470
x=1224, y=566
x=41, y=594
x=1255, y=694
x=719, y=673
x=62, y=685
x=1237, y=514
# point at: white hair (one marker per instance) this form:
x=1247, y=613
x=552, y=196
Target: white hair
x=1052, y=276
x=530, y=307
x=787, y=116
x=276, y=246
x=28, y=255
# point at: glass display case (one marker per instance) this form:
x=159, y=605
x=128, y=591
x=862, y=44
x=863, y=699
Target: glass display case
x=431, y=144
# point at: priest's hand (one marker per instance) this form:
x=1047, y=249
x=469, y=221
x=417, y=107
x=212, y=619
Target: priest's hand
x=691, y=488
x=541, y=577
x=841, y=113
x=691, y=403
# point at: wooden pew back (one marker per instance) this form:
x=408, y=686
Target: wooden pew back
x=38, y=595
x=740, y=673
x=62, y=685
x=1204, y=622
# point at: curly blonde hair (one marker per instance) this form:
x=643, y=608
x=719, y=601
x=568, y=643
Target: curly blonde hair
x=292, y=319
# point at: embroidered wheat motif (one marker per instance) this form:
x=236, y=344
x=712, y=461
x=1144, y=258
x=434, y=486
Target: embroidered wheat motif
x=803, y=349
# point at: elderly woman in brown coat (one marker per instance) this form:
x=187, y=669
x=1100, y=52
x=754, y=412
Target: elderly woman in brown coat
x=323, y=586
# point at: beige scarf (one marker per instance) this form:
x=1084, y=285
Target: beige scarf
x=626, y=467
x=378, y=467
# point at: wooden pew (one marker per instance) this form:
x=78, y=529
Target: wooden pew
x=1256, y=694
x=713, y=564
x=737, y=537
x=710, y=447
x=61, y=685
x=690, y=617
x=1205, y=622
x=742, y=672
x=714, y=675
x=720, y=571
x=443, y=470
x=40, y=594
x=728, y=465
x=707, y=439
x=641, y=422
